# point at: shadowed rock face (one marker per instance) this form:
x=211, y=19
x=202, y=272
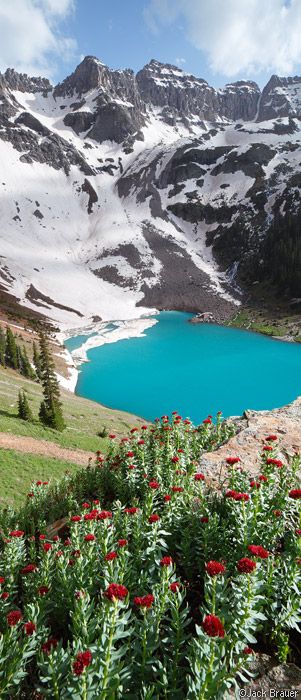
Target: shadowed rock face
x=281, y=97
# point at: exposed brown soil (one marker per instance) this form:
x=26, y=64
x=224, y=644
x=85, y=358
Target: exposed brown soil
x=43, y=447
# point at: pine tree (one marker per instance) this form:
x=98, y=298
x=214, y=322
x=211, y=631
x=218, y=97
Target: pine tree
x=2, y=347
x=25, y=366
x=51, y=408
x=11, y=352
x=36, y=360
x=24, y=410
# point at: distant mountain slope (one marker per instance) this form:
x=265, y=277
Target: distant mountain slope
x=121, y=193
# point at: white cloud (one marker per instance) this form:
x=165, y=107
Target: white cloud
x=238, y=36
x=180, y=61
x=30, y=38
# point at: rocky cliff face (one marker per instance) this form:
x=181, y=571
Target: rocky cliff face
x=142, y=191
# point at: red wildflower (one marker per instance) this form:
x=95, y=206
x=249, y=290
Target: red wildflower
x=131, y=466
x=110, y=556
x=199, y=477
x=30, y=495
x=166, y=561
x=47, y=547
x=4, y=595
x=39, y=483
x=112, y=437
x=298, y=532
x=175, y=460
x=49, y=645
x=42, y=537
x=275, y=462
x=104, y=515
x=89, y=537
x=271, y=438
x=204, y=519
x=116, y=591
x=255, y=484
x=246, y=565
x=214, y=568
x=75, y=518
x=277, y=513
x=248, y=650
x=130, y=454
x=90, y=516
x=167, y=498
x=145, y=601
x=154, y=485
x=232, y=460
x=2, y=580
x=207, y=421
x=86, y=505
x=133, y=430
x=267, y=448
x=140, y=442
x=122, y=543
x=29, y=628
x=67, y=542
x=76, y=553
x=295, y=493
x=153, y=518
x=258, y=551
x=16, y=533
x=131, y=511
x=14, y=617
x=263, y=478
x=213, y=626
x=28, y=569
x=174, y=587
x=43, y=590
x=177, y=489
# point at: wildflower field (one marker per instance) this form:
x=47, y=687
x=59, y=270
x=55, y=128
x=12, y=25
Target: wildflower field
x=157, y=584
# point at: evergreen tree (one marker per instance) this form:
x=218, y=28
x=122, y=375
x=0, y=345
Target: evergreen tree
x=36, y=360
x=24, y=410
x=2, y=347
x=51, y=408
x=25, y=366
x=11, y=352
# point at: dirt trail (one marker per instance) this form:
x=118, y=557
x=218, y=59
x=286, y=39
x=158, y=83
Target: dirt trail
x=43, y=447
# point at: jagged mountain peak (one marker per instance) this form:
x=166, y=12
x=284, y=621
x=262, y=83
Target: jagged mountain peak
x=26, y=83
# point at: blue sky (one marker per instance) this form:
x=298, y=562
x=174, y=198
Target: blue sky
x=219, y=40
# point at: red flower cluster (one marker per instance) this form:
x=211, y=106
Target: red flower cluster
x=204, y=519
x=275, y=462
x=214, y=568
x=104, y=515
x=49, y=645
x=13, y=617
x=267, y=448
x=177, y=489
x=237, y=496
x=295, y=493
x=89, y=537
x=166, y=561
x=263, y=478
x=248, y=650
x=116, y=591
x=145, y=601
x=75, y=518
x=174, y=587
x=154, y=518
x=175, y=459
x=43, y=590
x=232, y=460
x=154, y=485
x=47, y=547
x=213, y=626
x=246, y=565
x=29, y=628
x=122, y=543
x=16, y=533
x=28, y=569
x=271, y=438
x=258, y=551
x=83, y=659
x=167, y=498
x=131, y=511
x=111, y=556
x=199, y=477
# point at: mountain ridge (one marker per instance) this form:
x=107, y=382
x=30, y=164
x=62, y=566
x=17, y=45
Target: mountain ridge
x=152, y=190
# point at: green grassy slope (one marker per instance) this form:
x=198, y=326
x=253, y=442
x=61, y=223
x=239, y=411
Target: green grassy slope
x=84, y=418
x=18, y=470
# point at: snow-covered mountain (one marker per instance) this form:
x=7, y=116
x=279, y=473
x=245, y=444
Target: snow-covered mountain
x=122, y=193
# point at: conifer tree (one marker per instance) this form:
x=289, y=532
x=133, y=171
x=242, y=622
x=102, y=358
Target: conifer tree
x=24, y=410
x=2, y=347
x=25, y=366
x=11, y=352
x=36, y=360
x=51, y=408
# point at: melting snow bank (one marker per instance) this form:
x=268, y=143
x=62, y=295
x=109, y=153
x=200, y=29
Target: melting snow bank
x=98, y=334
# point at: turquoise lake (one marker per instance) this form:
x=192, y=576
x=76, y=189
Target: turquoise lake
x=193, y=369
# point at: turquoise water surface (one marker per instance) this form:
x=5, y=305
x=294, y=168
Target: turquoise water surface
x=193, y=369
